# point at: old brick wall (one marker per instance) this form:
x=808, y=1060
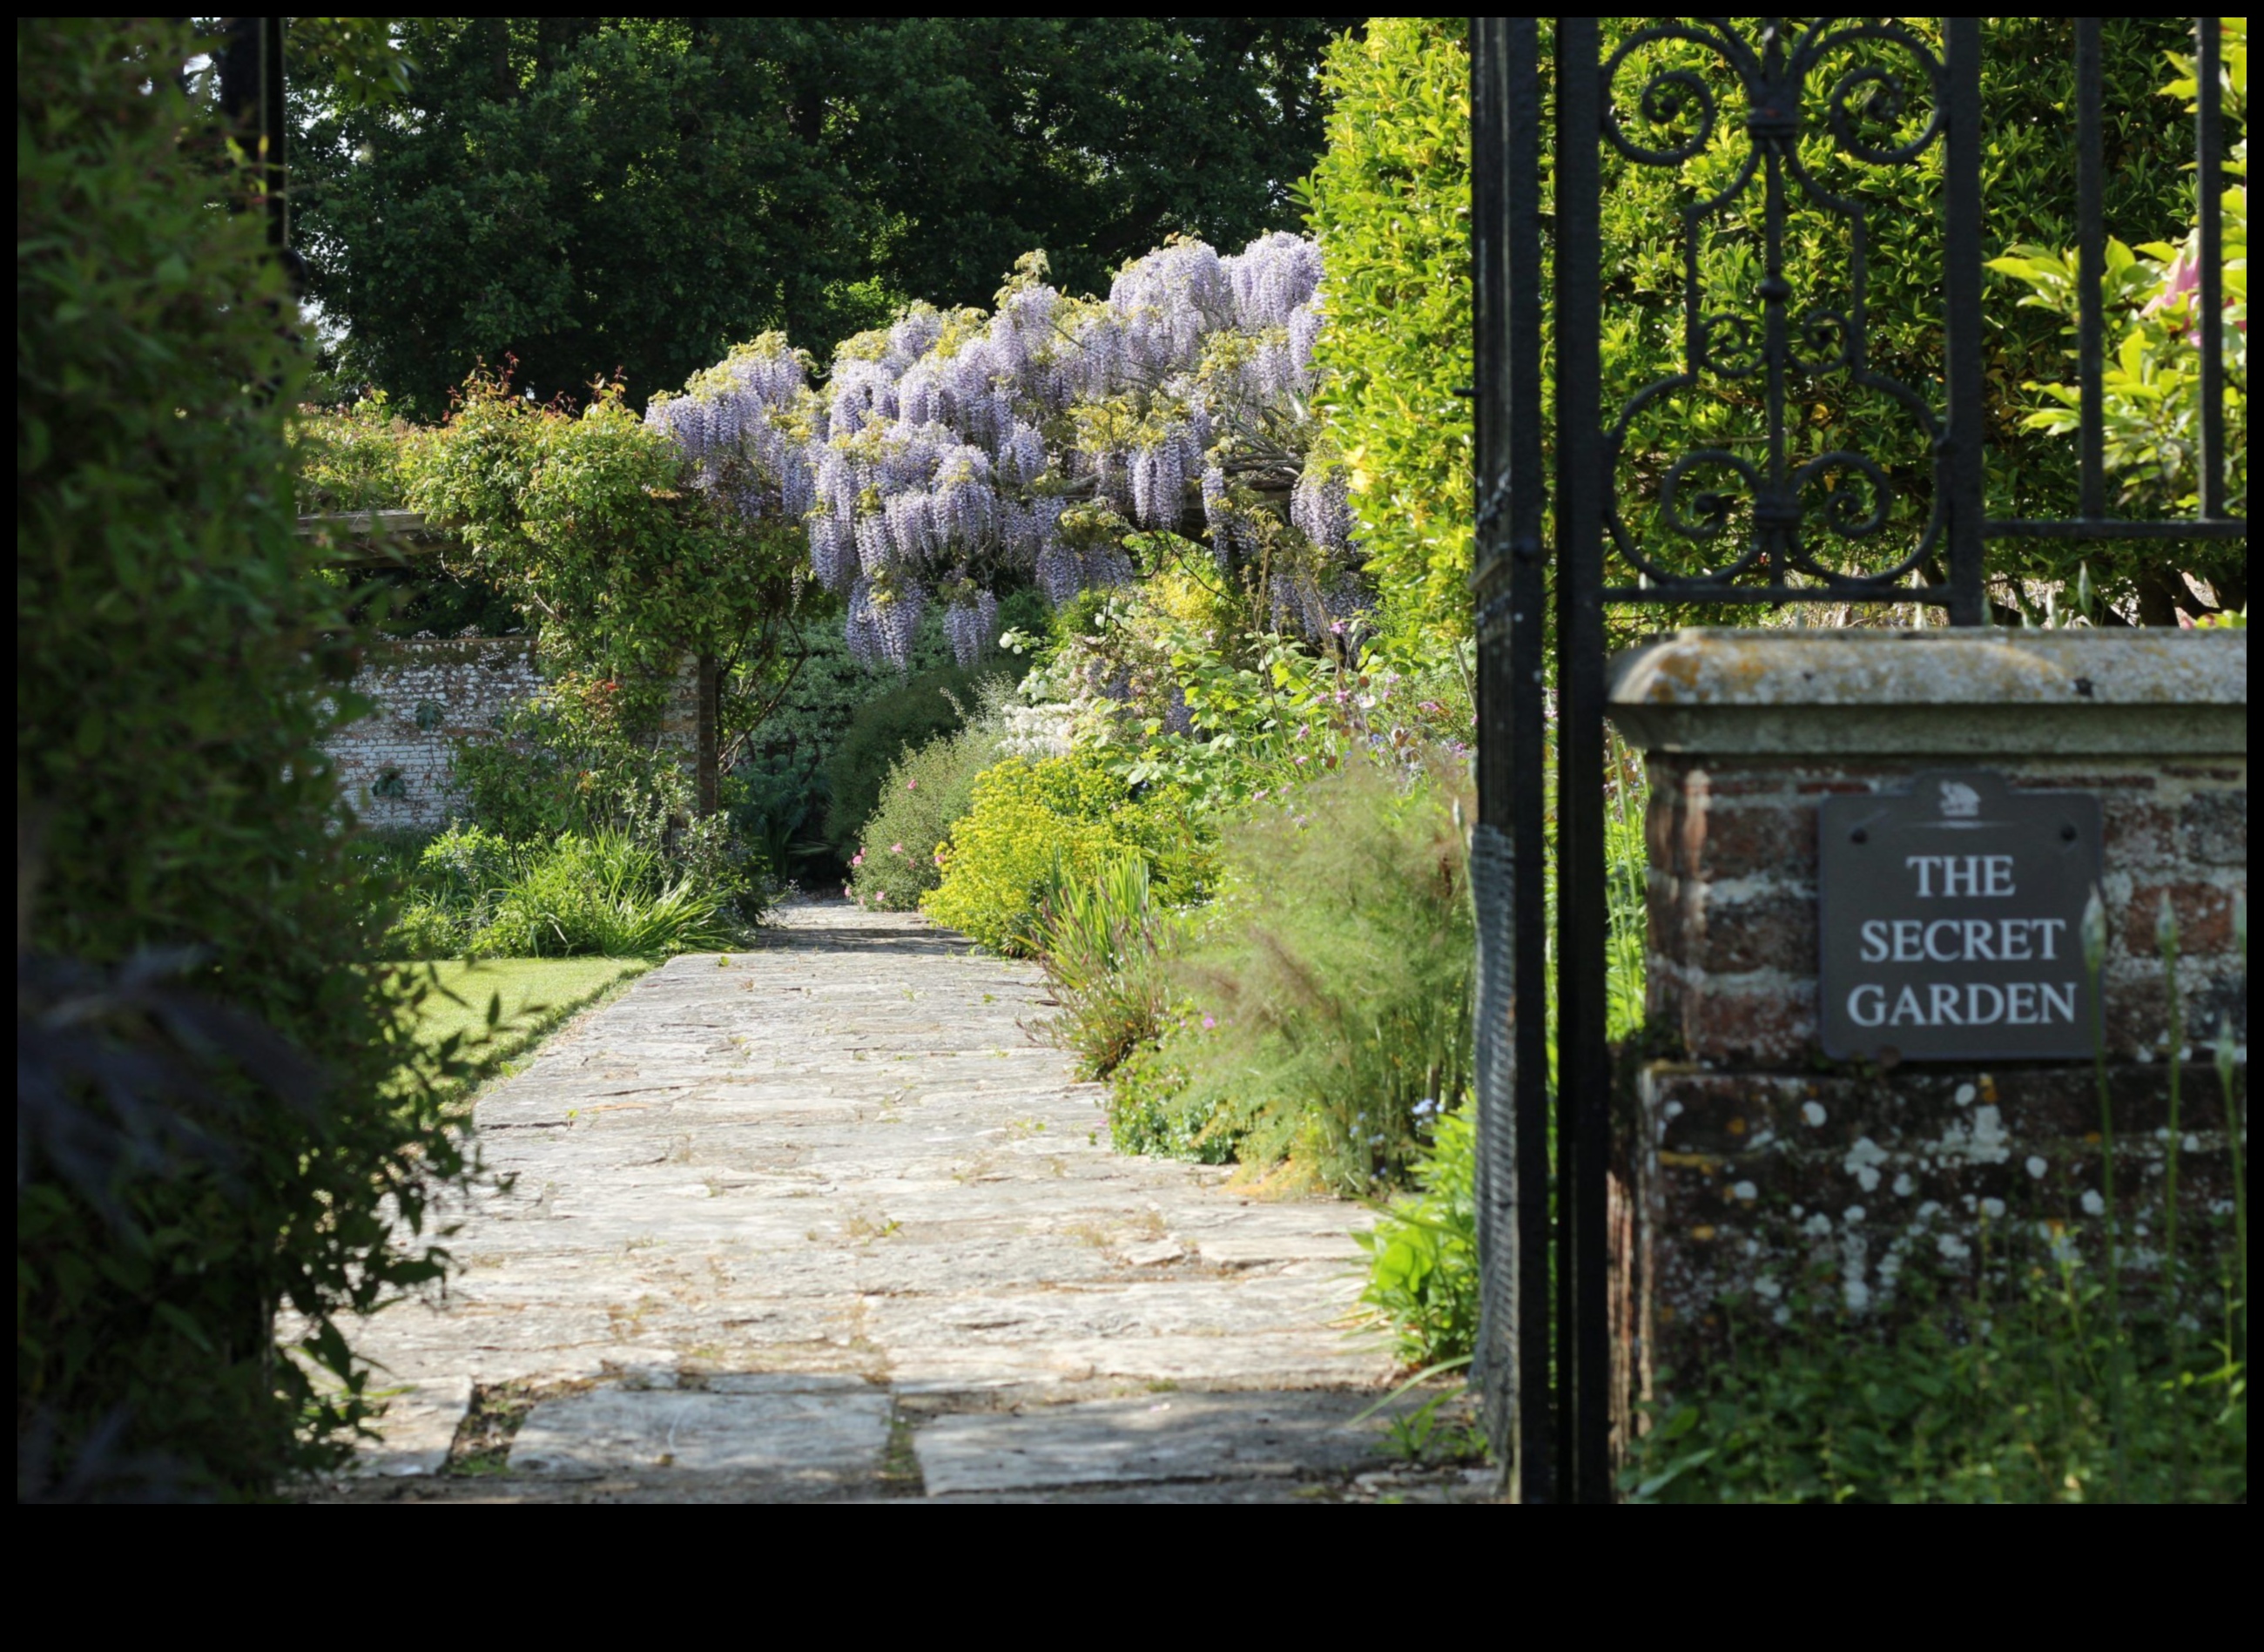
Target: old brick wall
x=1754, y=1168
x=396, y=764
x=1769, y=1165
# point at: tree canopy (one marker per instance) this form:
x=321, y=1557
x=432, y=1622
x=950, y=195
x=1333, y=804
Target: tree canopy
x=596, y=196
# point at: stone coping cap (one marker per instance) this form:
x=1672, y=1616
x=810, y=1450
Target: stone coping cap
x=391, y=650
x=1982, y=666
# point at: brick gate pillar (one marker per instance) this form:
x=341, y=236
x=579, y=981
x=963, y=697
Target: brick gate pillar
x=1752, y=1162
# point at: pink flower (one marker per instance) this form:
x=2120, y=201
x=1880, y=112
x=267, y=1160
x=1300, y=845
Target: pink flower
x=895, y=848
x=2184, y=279
x=858, y=859
x=1303, y=757
x=1208, y=1023
x=2183, y=286
x=912, y=785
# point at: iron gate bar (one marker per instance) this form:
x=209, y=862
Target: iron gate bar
x=1513, y=1357
x=1583, y=916
x=1962, y=339
x=1529, y=735
x=1561, y=1414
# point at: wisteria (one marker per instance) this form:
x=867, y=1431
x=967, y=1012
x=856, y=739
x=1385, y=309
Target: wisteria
x=1320, y=507
x=734, y=423
x=953, y=447
x=971, y=626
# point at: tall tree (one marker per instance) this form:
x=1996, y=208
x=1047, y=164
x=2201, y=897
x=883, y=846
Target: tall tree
x=591, y=196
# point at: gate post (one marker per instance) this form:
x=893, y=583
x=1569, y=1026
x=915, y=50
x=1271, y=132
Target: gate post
x=1755, y=1155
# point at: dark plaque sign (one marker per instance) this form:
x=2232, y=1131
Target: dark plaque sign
x=1952, y=921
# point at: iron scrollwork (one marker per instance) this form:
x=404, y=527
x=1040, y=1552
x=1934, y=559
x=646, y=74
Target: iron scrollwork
x=1788, y=502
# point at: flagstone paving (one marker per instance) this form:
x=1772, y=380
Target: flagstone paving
x=826, y=1220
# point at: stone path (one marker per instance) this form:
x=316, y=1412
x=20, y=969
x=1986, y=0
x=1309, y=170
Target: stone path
x=824, y=1220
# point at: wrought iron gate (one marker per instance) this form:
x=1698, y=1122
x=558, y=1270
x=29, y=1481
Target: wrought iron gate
x=1554, y=528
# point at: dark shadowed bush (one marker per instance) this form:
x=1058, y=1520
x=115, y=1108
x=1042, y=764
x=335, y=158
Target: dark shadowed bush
x=886, y=729
x=176, y=667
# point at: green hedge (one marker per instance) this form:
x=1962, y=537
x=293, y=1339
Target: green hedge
x=181, y=1177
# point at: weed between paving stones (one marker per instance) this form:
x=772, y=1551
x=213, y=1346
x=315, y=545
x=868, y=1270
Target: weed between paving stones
x=482, y=1442
x=900, y=1469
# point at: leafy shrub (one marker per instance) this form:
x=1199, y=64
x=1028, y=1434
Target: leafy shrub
x=427, y=929
x=1161, y=684
x=1031, y=824
x=1423, y=1251
x=570, y=763
x=2150, y=388
x=1389, y=206
x=1329, y=989
x=177, y=668
x=574, y=759
x=443, y=888
x=925, y=793
x=465, y=863
x=351, y=459
x=1148, y=1110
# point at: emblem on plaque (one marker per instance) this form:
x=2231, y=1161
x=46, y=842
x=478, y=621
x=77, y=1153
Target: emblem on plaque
x=1950, y=921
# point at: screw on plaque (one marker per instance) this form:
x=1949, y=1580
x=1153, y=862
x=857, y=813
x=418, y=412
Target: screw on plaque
x=2067, y=833
x=1859, y=835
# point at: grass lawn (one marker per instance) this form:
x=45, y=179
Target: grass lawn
x=537, y=995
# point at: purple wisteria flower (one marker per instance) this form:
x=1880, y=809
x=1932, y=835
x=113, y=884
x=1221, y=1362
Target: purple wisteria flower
x=939, y=454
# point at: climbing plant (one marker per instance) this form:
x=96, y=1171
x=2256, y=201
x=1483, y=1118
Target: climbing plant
x=955, y=448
